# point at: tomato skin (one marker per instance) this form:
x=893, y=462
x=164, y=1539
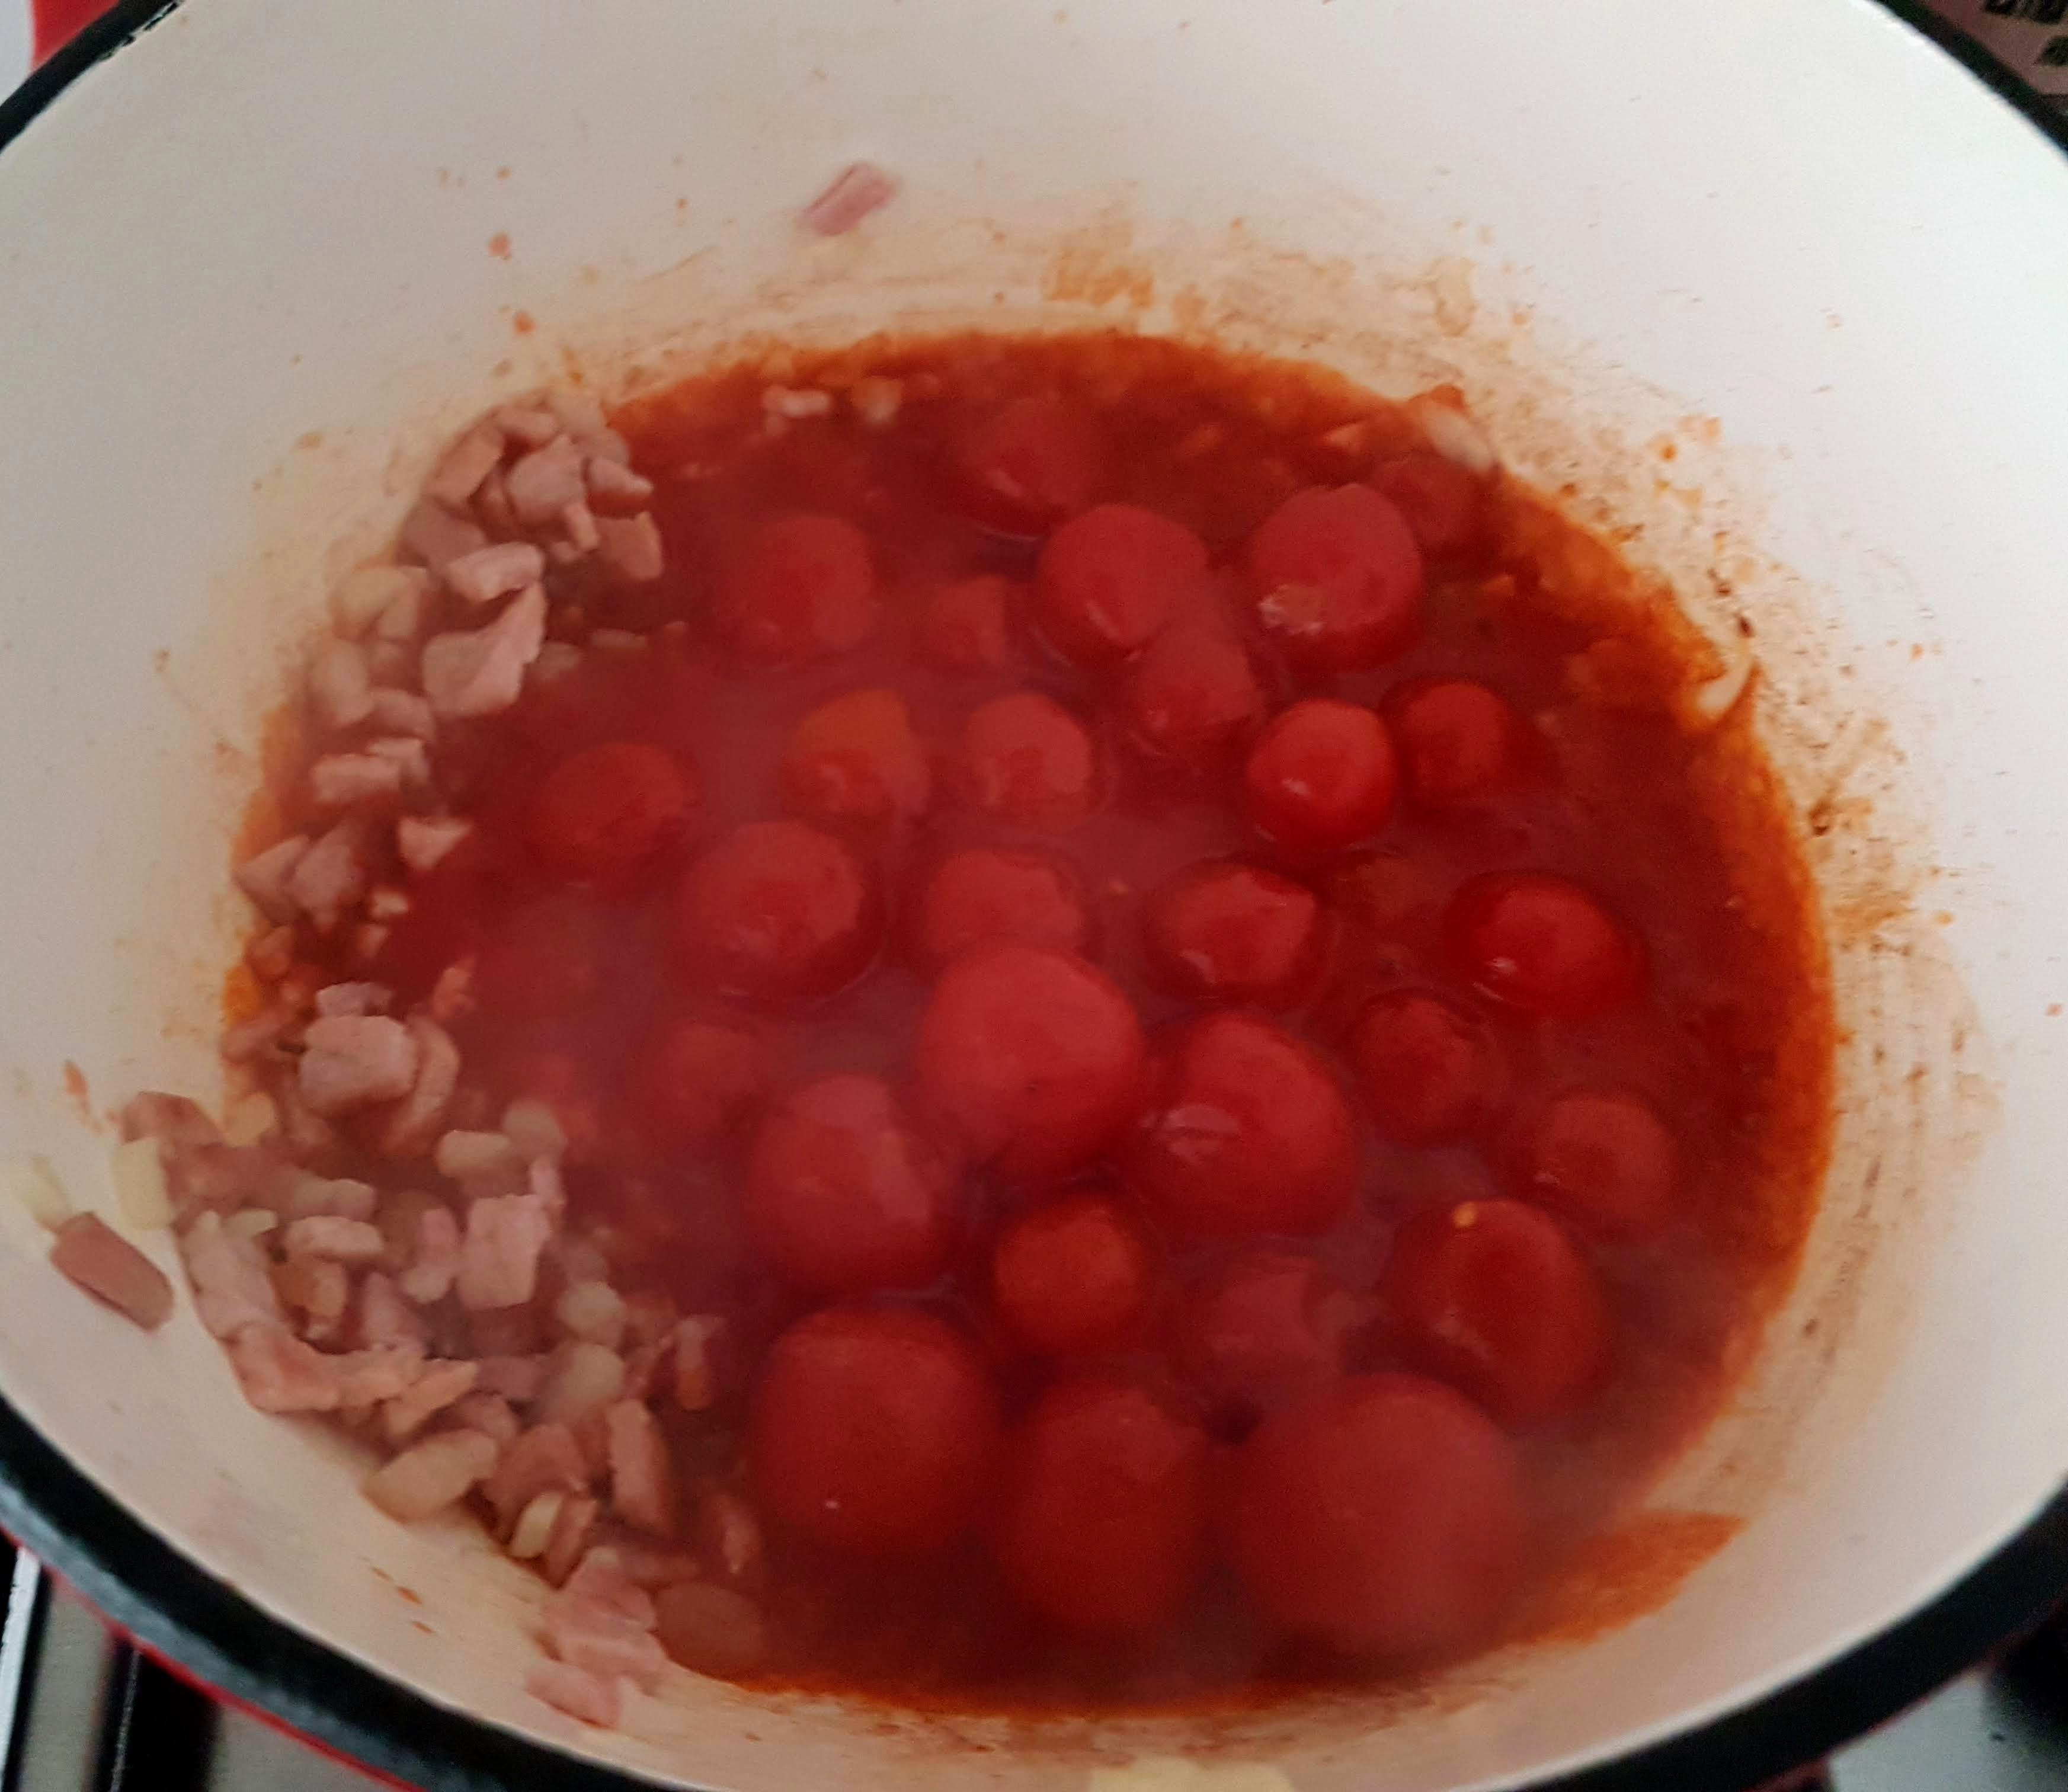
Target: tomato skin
x=1023, y=468
x=1461, y=744
x=780, y=912
x=1234, y=933
x=984, y=895
x=803, y=589
x=1102, y=1523
x=1493, y=1297
x=1265, y=1331
x=697, y=1079
x=963, y=627
x=873, y=1432
x=1337, y=579
x=1246, y=1131
x=1544, y=944
x=1603, y=1158
x=1024, y=759
x=1445, y=505
x=605, y=813
x=1389, y=1520
x=1071, y=1275
x=1427, y=1072
x=845, y=1194
x=1192, y=697
x=1034, y=1060
x=1321, y=777
x=857, y=759
x=1111, y=579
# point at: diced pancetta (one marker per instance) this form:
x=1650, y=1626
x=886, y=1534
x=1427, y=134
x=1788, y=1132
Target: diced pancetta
x=267, y=877
x=430, y=1275
x=353, y=998
x=495, y=570
x=438, y=1387
x=545, y=481
x=352, y=1061
x=480, y=671
x=593, y=1310
x=584, y=1378
x=360, y=599
x=173, y=1121
x=224, y=1178
x=498, y=1259
x=475, y=1156
x=515, y=1377
x=328, y=877
x=642, y=1481
x=612, y=1647
x=490, y=1413
x=531, y=424
x=583, y=1695
x=353, y=1242
x=630, y=547
x=382, y=1372
x=412, y=1126
x=462, y=466
x=403, y=712
x=281, y=1374
x=423, y=840
x=91, y=1254
x=318, y=1290
x=429, y=1476
x=858, y=190
x=232, y=1283
x=385, y=1318
x=572, y=1528
x=438, y=536
x=339, y=686
x=545, y=1459
x=613, y=489
x=302, y=1195
x=599, y=1580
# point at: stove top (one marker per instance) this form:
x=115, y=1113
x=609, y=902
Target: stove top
x=80, y=1711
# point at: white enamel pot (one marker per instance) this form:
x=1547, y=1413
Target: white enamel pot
x=1775, y=287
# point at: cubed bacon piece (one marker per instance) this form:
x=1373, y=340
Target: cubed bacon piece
x=631, y=547
x=317, y=1290
x=384, y=1318
x=338, y=685
x=233, y=1284
x=281, y=1374
x=614, y=488
x=573, y=1526
x=642, y=1478
x=341, y=780
x=353, y=998
x=600, y=1581
x=493, y=572
x=438, y=535
x=223, y=1178
x=498, y=1259
x=584, y=1378
x=354, y=1242
x=430, y=1275
x=174, y=1120
x=367, y=1378
x=423, y=840
x=353, y=1060
x=329, y=878
x=587, y=1697
x=477, y=1157
x=91, y=1254
x=534, y=1529
x=581, y=412
x=480, y=671
x=415, y=1123
x=858, y=190
x=267, y=877
x=593, y=1310
x=360, y=599
x=438, y=1387
x=490, y=1413
x=532, y=426
x=409, y=756
x=589, y=1637
x=403, y=712
x=514, y=1378
x=463, y=467
x=302, y=1195
x=546, y=1459
x=545, y=481
x=429, y=1476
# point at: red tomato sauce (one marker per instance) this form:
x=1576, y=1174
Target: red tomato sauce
x=1238, y=1105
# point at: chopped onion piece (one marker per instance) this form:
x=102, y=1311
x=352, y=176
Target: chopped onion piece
x=143, y=1198
x=32, y=1182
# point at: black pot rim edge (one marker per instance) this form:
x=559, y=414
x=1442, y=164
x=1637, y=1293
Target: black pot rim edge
x=171, y=1607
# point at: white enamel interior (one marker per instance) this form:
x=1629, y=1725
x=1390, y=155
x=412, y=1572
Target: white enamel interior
x=1792, y=239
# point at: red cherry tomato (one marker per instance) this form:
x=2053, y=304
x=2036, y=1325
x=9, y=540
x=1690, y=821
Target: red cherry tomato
x=1267, y=1330
x=1034, y=1059
x=1542, y=943
x=1389, y=1520
x=1246, y=1132
x=605, y=812
x=1072, y=1275
x=1023, y=469
x=983, y=895
x=845, y=1194
x=804, y=589
x=1192, y=697
x=1492, y=1295
x=1426, y=1072
x=1337, y=579
x=548, y=957
x=857, y=759
x=779, y=912
x=1026, y=760
x=1233, y=933
x=961, y=629
x=1108, y=581
x=873, y=1432
x=1605, y=1160
x=1460, y=743
x=1445, y=505
x=699, y=1078
x=1321, y=777
x=1102, y=1521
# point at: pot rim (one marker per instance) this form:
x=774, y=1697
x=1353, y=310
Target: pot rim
x=205, y=1628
